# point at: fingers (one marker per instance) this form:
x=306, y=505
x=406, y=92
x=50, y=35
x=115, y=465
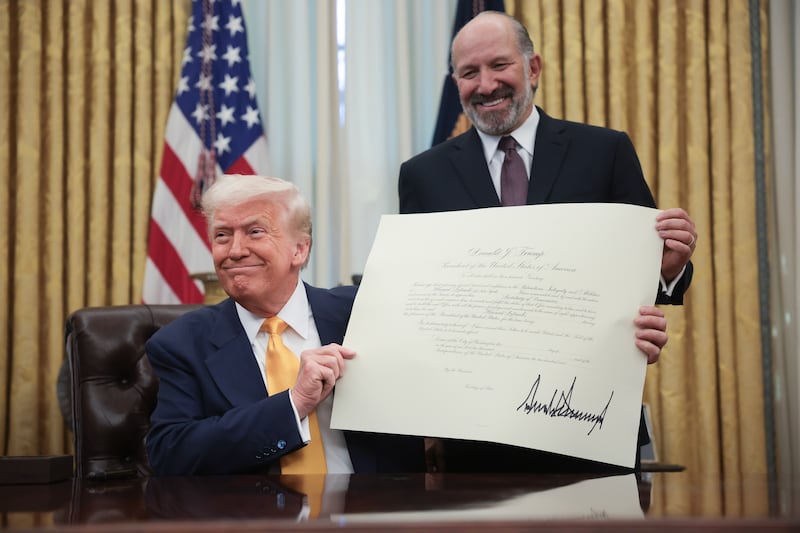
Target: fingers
x=330, y=358
x=319, y=370
x=678, y=232
x=677, y=229
x=652, y=351
x=649, y=313
x=651, y=332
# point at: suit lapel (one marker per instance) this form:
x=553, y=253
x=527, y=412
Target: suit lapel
x=231, y=362
x=330, y=318
x=548, y=155
x=467, y=158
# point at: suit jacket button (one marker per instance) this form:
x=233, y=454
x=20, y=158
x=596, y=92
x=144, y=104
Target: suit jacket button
x=281, y=444
x=258, y=456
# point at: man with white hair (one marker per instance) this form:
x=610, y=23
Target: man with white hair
x=220, y=409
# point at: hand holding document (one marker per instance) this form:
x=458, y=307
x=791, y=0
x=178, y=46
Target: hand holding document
x=510, y=325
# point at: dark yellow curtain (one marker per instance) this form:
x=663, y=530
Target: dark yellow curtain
x=85, y=88
x=676, y=75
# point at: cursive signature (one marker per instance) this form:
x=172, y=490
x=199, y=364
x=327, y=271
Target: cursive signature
x=560, y=405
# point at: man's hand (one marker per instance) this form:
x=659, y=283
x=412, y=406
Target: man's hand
x=680, y=237
x=651, y=332
x=319, y=370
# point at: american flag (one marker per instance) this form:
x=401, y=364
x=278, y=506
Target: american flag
x=213, y=127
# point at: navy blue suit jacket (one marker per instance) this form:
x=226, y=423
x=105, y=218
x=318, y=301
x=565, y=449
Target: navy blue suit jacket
x=572, y=163
x=213, y=415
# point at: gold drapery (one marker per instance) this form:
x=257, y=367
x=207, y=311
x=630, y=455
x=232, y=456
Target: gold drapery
x=676, y=75
x=86, y=88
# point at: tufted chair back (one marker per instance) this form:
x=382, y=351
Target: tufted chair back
x=113, y=388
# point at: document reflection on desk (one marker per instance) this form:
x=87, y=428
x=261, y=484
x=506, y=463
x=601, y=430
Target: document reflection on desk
x=613, y=497
x=464, y=329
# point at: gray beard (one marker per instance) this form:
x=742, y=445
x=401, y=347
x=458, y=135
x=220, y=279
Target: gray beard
x=500, y=122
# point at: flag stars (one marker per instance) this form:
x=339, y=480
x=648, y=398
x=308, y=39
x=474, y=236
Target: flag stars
x=251, y=88
x=204, y=82
x=187, y=55
x=183, y=85
x=232, y=56
x=200, y=113
x=216, y=90
x=208, y=53
x=212, y=21
x=222, y=144
x=229, y=85
x=251, y=117
x=225, y=115
x=234, y=25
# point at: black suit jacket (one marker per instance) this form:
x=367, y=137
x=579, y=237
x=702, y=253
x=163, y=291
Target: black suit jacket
x=213, y=415
x=572, y=163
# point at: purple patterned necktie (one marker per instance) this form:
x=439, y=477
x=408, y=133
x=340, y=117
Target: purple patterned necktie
x=513, y=177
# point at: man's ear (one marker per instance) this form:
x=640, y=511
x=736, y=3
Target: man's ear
x=301, y=250
x=535, y=66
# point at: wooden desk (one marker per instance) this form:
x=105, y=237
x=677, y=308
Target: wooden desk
x=441, y=502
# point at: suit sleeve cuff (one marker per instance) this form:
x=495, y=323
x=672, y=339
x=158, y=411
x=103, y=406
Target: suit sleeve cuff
x=669, y=288
x=302, y=425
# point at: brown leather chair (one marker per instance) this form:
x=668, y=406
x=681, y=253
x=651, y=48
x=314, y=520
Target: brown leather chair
x=113, y=388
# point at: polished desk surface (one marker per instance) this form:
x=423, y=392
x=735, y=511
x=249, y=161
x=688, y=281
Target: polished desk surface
x=361, y=502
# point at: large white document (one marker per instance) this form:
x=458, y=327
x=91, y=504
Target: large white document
x=510, y=325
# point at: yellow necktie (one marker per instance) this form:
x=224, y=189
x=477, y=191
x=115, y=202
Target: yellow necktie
x=310, y=485
x=282, y=368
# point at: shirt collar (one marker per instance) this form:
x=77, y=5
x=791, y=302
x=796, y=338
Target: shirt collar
x=524, y=135
x=294, y=313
